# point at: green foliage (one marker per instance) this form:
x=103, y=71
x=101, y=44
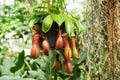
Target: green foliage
x=7, y=64
x=19, y=18
x=70, y=23
x=47, y=65
x=4, y=50
x=57, y=14
x=34, y=20
x=13, y=19
x=14, y=78
x=23, y=45
x=79, y=27
x=19, y=62
x=83, y=57
x=42, y=68
x=39, y=75
x=69, y=26
x=59, y=19
x=47, y=23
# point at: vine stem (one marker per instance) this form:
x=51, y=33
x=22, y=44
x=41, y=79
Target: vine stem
x=28, y=65
x=93, y=31
x=93, y=24
x=48, y=6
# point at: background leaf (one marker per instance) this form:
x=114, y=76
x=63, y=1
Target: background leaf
x=14, y=78
x=4, y=50
x=47, y=23
x=83, y=57
x=39, y=75
x=23, y=45
x=33, y=21
x=78, y=25
x=19, y=62
x=7, y=63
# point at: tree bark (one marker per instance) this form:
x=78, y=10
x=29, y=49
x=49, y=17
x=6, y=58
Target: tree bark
x=112, y=25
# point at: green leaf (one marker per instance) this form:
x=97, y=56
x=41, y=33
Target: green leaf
x=7, y=63
x=23, y=45
x=19, y=62
x=4, y=50
x=52, y=57
x=59, y=19
x=33, y=21
x=10, y=78
x=14, y=78
x=83, y=57
x=82, y=29
x=20, y=17
x=39, y=75
x=47, y=23
x=69, y=26
x=47, y=64
x=50, y=63
x=60, y=4
x=42, y=62
x=38, y=6
x=78, y=26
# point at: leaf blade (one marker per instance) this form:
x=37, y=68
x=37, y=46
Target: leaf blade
x=59, y=19
x=33, y=21
x=47, y=23
x=78, y=26
x=69, y=26
x=19, y=62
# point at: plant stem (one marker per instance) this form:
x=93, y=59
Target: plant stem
x=28, y=65
x=48, y=6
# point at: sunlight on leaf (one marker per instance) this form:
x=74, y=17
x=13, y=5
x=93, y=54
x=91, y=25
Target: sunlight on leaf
x=47, y=23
